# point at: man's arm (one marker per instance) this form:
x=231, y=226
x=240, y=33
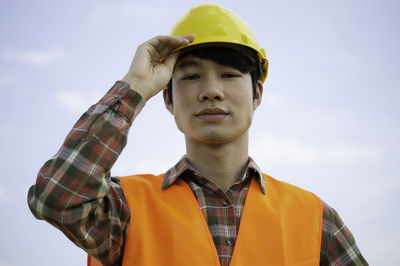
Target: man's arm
x=74, y=190
x=338, y=245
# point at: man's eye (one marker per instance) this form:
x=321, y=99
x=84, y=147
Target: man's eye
x=191, y=77
x=230, y=75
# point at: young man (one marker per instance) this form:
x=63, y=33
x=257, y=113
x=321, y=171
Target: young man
x=215, y=206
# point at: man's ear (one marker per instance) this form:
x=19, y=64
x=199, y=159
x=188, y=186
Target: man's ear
x=167, y=102
x=258, y=95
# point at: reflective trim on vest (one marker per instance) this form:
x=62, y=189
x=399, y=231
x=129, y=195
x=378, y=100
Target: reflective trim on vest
x=167, y=227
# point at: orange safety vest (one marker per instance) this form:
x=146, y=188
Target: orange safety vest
x=167, y=227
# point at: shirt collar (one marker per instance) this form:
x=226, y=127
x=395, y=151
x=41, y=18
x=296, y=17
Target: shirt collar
x=174, y=173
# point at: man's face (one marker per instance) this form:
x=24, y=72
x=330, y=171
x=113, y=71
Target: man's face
x=212, y=103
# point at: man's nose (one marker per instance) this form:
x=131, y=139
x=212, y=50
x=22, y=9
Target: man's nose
x=212, y=90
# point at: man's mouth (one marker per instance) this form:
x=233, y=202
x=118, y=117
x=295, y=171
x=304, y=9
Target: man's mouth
x=211, y=114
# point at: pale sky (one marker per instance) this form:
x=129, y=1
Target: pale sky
x=328, y=122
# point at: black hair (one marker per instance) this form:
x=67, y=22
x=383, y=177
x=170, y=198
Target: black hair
x=239, y=57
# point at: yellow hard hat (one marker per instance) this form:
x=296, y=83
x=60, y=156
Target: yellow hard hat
x=212, y=23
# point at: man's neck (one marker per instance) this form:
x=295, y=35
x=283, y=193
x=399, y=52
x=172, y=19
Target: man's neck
x=224, y=164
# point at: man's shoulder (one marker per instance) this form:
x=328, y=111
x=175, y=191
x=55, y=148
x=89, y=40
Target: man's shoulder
x=283, y=191
x=285, y=186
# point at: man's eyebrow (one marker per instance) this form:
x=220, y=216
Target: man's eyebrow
x=188, y=63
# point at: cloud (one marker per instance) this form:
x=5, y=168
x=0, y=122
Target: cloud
x=74, y=101
x=279, y=150
x=35, y=58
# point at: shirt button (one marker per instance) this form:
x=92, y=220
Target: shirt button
x=229, y=242
x=225, y=203
x=116, y=96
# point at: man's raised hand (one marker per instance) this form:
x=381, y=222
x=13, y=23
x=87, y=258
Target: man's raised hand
x=153, y=64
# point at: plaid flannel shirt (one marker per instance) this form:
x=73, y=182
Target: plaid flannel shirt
x=75, y=192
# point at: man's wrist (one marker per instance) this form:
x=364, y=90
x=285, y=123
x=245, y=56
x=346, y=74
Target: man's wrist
x=138, y=87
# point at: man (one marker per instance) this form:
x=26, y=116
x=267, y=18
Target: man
x=215, y=206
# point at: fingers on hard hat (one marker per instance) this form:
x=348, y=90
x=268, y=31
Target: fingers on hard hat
x=165, y=44
x=189, y=37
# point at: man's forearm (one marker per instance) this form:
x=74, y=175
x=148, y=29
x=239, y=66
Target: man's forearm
x=74, y=190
